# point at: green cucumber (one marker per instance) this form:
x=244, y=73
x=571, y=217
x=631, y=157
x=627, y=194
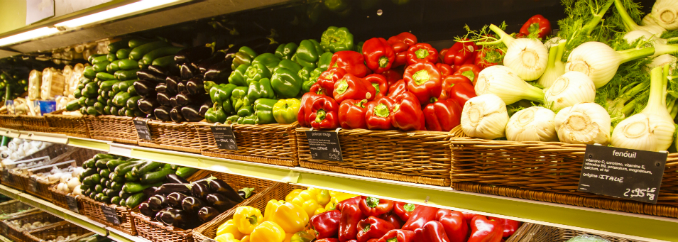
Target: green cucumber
x=90, y=90
x=134, y=187
x=96, y=178
x=88, y=172
x=123, y=53
x=116, y=46
x=120, y=99
x=101, y=58
x=139, y=51
x=89, y=163
x=107, y=85
x=101, y=163
x=101, y=66
x=126, y=74
x=132, y=102
x=134, y=200
x=116, y=186
x=104, y=172
x=128, y=64
x=105, y=199
x=104, y=156
x=112, y=164
x=131, y=178
x=114, y=110
x=88, y=181
x=157, y=176
x=91, y=57
x=72, y=105
x=122, y=202
x=123, y=194
x=112, y=67
x=105, y=76
x=115, y=200
x=185, y=172
x=164, y=61
x=146, y=168
x=90, y=101
x=111, y=192
x=148, y=58
x=132, y=90
x=98, y=188
x=89, y=72
x=111, y=56
x=121, y=169
x=134, y=43
x=125, y=85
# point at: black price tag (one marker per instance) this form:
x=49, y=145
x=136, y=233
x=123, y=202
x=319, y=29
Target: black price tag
x=623, y=173
x=110, y=214
x=324, y=145
x=6, y=176
x=142, y=129
x=72, y=204
x=224, y=137
x=33, y=184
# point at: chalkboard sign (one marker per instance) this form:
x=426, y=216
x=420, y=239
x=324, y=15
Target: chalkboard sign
x=224, y=137
x=110, y=214
x=324, y=145
x=142, y=129
x=72, y=204
x=33, y=184
x=6, y=175
x=623, y=173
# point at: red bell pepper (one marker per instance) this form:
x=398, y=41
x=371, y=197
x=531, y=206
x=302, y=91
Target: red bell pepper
x=404, y=210
x=444, y=69
x=423, y=80
x=458, y=88
x=350, y=217
x=461, y=53
x=329, y=77
x=537, y=25
x=327, y=240
x=323, y=113
x=326, y=225
x=398, y=235
x=485, y=230
x=354, y=200
x=488, y=56
x=393, y=219
x=510, y=226
x=454, y=223
x=441, y=55
x=397, y=88
x=373, y=228
x=401, y=43
x=392, y=76
x=379, y=55
x=306, y=108
x=469, y=216
x=421, y=52
x=352, y=62
x=378, y=115
x=432, y=231
x=353, y=87
x=352, y=114
x=442, y=115
x=470, y=71
x=420, y=216
x=372, y=206
x=317, y=89
x=407, y=114
x=379, y=83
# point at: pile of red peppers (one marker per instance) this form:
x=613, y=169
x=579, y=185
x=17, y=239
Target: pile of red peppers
x=371, y=219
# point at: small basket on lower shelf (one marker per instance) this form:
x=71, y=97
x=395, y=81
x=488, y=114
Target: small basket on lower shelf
x=11, y=122
x=60, y=199
x=172, y=136
x=273, y=144
x=63, y=229
x=157, y=231
x=70, y=125
x=18, y=233
x=93, y=210
x=112, y=128
x=40, y=188
x=11, y=208
x=35, y=123
x=540, y=233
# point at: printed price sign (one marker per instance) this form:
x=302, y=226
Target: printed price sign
x=6, y=176
x=224, y=137
x=623, y=173
x=142, y=129
x=324, y=145
x=110, y=214
x=72, y=204
x=33, y=184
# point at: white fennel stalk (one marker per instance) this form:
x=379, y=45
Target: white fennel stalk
x=583, y=123
x=630, y=25
x=555, y=66
x=569, y=89
x=484, y=116
x=662, y=60
x=505, y=83
x=532, y=124
x=600, y=62
x=665, y=14
x=527, y=57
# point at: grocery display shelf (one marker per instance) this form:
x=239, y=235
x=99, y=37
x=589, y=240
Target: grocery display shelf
x=620, y=224
x=68, y=215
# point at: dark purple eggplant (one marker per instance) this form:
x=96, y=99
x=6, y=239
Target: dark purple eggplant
x=149, y=192
x=204, y=65
x=161, y=87
x=173, y=102
x=192, y=204
x=163, y=99
x=164, y=216
x=175, y=115
x=195, y=86
x=181, y=87
x=145, y=209
x=173, y=187
x=150, y=116
x=184, y=99
x=204, y=107
x=199, y=189
x=221, y=187
x=188, y=71
x=148, y=75
x=162, y=113
x=175, y=179
x=193, y=54
x=220, y=202
x=206, y=214
x=172, y=82
x=219, y=72
x=156, y=201
x=147, y=105
x=182, y=219
x=144, y=88
x=191, y=113
x=158, y=70
x=174, y=199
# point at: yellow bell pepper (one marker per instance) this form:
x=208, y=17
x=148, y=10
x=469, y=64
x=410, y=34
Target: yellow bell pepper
x=290, y=217
x=343, y=196
x=302, y=236
x=227, y=237
x=313, y=191
x=245, y=239
x=268, y=232
x=229, y=227
x=319, y=211
x=294, y=193
x=310, y=206
x=323, y=197
x=288, y=237
x=247, y=218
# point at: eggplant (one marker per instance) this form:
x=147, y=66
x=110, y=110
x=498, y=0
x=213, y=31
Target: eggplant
x=220, y=202
x=187, y=71
x=155, y=202
x=149, y=192
x=158, y=70
x=164, y=216
x=145, y=209
x=182, y=219
x=181, y=87
x=144, y=88
x=150, y=116
x=161, y=87
x=219, y=72
x=173, y=187
x=175, y=179
x=204, y=65
x=192, y=204
x=195, y=86
x=204, y=107
x=147, y=75
x=175, y=115
x=174, y=199
x=163, y=99
x=200, y=189
x=172, y=82
x=147, y=105
x=191, y=113
x=221, y=187
x=184, y=99
x=173, y=102
x=206, y=214
x=193, y=54
x=162, y=113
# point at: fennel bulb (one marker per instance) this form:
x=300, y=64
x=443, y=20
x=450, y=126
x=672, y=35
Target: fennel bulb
x=651, y=129
x=503, y=82
x=484, y=116
x=532, y=124
x=569, y=89
x=583, y=123
x=665, y=14
x=631, y=25
x=600, y=62
x=662, y=60
x=527, y=57
x=555, y=67
x=632, y=36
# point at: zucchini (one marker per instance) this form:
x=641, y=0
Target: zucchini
x=139, y=51
x=120, y=99
x=104, y=156
x=111, y=193
x=128, y=64
x=90, y=90
x=89, y=163
x=112, y=164
x=98, y=188
x=134, y=200
x=89, y=72
x=84, y=187
x=123, y=54
x=146, y=168
x=96, y=178
x=90, y=101
x=115, y=200
x=101, y=163
x=130, y=178
x=134, y=43
x=123, y=194
x=107, y=110
x=97, y=196
x=134, y=187
x=103, y=181
x=91, y=57
x=72, y=105
x=185, y=172
x=164, y=61
x=125, y=85
x=132, y=102
x=107, y=85
x=105, y=76
x=132, y=90
x=105, y=199
x=112, y=67
x=101, y=58
x=116, y=46
x=87, y=181
x=126, y=74
x=88, y=172
x=104, y=172
x=101, y=66
x=116, y=186
x=111, y=56
x=148, y=58
x=157, y=176
x=121, y=169
x=118, y=179
x=99, y=107
x=114, y=110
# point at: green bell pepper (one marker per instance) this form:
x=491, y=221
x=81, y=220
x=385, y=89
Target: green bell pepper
x=336, y=39
x=245, y=111
x=286, y=81
x=308, y=53
x=263, y=108
x=219, y=93
x=324, y=60
x=252, y=119
x=260, y=89
x=238, y=76
x=233, y=119
x=215, y=114
x=285, y=110
x=285, y=51
x=243, y=56
x=239, y=98
x=310, y=78
x=256, y=72
x=227, y=107
x=267, y=59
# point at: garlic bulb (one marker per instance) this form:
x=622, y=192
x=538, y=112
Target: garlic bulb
x=583, y=123
x=569, y=89
x=484, y=116
x=503, y=82
x=532, y=124
x=665, y=14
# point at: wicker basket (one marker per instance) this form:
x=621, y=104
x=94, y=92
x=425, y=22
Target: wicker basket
x=277, y=191
x=78, y=155
x=11, y=122
x=92, y=209
x=545, y=171
x=59, y=198
x=157, y=231
x=418, y=157
x=17, y=234
x=112, y=128
x=269, y=143
x=172, y=136
x=12, y=208
x=538, y=233
x=67, y=124
x=60, y=229
x=35, y=123
x=41, y=188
